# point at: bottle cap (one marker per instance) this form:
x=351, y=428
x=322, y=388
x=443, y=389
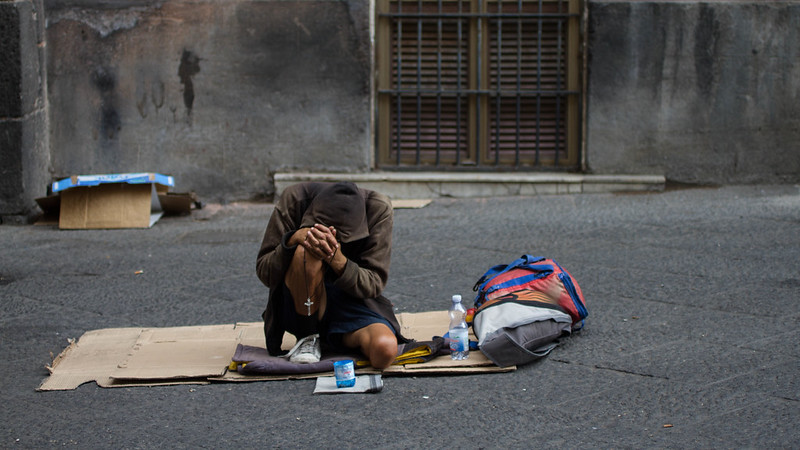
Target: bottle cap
x=456, y=298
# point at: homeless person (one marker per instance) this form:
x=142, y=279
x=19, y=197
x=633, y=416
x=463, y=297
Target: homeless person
x=325, y=258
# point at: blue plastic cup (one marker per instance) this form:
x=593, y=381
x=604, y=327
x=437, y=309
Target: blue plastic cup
x=345, y=373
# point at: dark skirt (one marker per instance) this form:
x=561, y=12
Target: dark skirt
x=343, y=314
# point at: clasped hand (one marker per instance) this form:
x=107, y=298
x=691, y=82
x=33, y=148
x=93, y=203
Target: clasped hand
x=320, y=241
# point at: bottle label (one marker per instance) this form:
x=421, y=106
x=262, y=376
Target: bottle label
x=344, y=372
x=459, y=340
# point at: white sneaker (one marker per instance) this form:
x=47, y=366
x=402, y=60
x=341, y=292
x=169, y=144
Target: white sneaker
x=306, y=351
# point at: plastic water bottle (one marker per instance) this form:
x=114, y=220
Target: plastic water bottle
x=459, y=331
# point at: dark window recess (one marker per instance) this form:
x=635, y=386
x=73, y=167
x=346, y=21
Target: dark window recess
x=478, y=84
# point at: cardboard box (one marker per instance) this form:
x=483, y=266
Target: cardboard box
x=127, y=200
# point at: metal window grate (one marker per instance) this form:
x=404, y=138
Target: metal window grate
x=477, y=83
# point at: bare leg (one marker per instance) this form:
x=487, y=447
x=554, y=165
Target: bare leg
x=377, y=341
x=304, y=279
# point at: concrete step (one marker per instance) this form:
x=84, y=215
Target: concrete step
x=417, y=185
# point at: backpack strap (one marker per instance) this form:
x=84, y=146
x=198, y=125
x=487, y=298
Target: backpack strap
x=491, y=273
x=526, y=260
x=566, y=280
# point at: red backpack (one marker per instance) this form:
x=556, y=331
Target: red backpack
x=531, y=273
x=522, y=309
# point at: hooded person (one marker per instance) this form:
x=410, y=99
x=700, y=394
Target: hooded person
x=325, y=258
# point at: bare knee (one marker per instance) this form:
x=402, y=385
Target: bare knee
x=376, y=341
x=383, y=351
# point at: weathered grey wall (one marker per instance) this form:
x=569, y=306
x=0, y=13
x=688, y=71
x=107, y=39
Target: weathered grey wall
x=705, y=92
x=24, y=153
x=219, y=94
x=224, y=93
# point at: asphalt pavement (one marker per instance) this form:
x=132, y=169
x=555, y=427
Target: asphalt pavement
x=692, y=339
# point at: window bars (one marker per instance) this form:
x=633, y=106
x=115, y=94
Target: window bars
x=478, y=84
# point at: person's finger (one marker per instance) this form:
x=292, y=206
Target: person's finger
x=327, y=238
x=322, y=230
x=322, y=240
x=312, y=238
x=313, y=251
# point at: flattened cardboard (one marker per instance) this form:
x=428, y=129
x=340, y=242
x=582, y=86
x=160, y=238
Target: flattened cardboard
x=121, y=357
x=92, y=358
x=410, y=203
x=172, y=353
x=422, y=327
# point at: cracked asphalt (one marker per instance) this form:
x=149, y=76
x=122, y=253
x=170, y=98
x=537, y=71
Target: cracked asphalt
x=693, y=337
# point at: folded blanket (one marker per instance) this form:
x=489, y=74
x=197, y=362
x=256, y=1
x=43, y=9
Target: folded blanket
x=249, y=360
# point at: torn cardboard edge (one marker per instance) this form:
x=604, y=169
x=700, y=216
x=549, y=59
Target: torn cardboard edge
x=410, y=203
x=129, y=200
x=127, y=357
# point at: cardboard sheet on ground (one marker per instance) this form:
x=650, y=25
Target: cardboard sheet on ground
x=119, y=357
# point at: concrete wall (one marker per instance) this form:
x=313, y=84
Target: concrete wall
x=223, y=94
x=220, y=94
x=24, y=151
x=702, y=92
